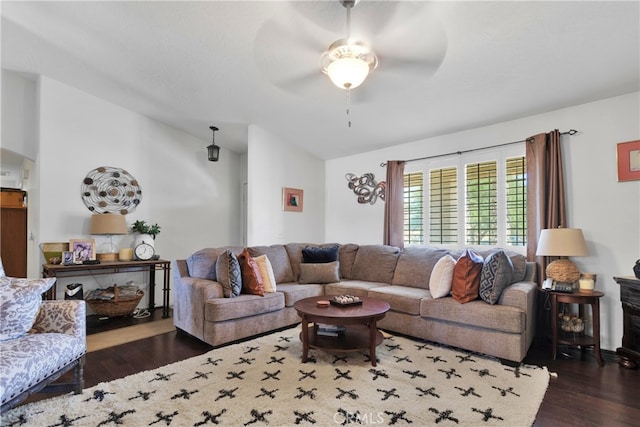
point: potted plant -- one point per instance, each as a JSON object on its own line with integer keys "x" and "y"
{"x": 147, "y": 232}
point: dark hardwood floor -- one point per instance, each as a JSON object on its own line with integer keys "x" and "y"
{"x": 583, "y": 393}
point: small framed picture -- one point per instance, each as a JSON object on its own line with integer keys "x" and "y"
{"x": 629, "y": 161}
{"x": 83, "y": 249}
{"x": 292, "y": 199}
{"x": 67, "y": 257}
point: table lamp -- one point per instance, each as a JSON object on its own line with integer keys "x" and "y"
{"x": 108, "y": 224}
{"x": 562, "y": 242}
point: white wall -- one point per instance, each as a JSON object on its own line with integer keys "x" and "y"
{"x": 608, "y": 211}
{"x": 272, "y": 165}
{"x": 19, "y": 127}
{"x": 196, "y": 202}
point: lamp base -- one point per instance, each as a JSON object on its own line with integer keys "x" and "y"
{"x": 107, "y": 257}
{"x": 563, "y": 270}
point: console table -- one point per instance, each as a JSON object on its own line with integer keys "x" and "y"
{"x": 630, "y": 297}
{"x": 115, "y": 267}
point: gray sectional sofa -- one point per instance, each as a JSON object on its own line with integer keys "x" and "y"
{"x": 399, "y": 276}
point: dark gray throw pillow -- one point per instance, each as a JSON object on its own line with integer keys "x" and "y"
{"x": 496, "y": 275}
{"x": 229, "y": 274}
{"x": 315, "y": 255}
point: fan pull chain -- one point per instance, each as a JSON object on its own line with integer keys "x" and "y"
{"x": 348, "y": 106}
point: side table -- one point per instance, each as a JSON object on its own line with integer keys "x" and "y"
{"x": 582, "y": 340}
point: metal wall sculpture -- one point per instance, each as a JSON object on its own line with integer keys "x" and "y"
{"x": 366, "y": 187}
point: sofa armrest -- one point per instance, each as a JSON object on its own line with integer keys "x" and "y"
{"x": 523, "y": 295}
{"x": 63, "y": 316}
{"x": 519, "y": 294}
{"x": 190, "y": 295}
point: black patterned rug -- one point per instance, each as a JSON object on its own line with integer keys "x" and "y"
{"x": 264, "y": 383}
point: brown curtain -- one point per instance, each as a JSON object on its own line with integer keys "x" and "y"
{"x": 394, "y": 204}
{"x": 545, "y": 192}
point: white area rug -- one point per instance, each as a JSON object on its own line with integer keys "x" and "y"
{"x": 263, "y": 383}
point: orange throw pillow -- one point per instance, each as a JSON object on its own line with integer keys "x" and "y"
{"x": 251, "y": 278}
{"x": 466, "y": 277}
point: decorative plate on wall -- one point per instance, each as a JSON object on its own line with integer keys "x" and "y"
{"x": 111, "y": 190}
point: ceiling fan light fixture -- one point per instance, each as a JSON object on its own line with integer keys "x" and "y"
{"x": 348, "y": 63}
{"x": 348, "y": 73}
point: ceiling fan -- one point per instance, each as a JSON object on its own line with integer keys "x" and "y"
{"x": 347, "y": 62}
{"x": 397, "y": 46}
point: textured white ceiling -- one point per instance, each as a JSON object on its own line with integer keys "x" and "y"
{"x": 444, "y": 66}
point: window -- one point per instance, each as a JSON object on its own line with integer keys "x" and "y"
{"x": 443, "y": 205}
{"x": 472, "y": 200}
{"x": 481, "y": 207}
{"x": 516, "y": 201}
{"x": 413, "y": 207}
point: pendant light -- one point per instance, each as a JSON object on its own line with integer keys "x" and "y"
{"x": 213, "y": 150}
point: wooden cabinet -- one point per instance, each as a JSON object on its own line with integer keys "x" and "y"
{"x": 13, "y": 245}
{"x": 630, "y": 297}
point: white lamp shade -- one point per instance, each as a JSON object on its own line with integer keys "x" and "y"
{"x": 562, "y": 242}
{"x": 348, "y": 72}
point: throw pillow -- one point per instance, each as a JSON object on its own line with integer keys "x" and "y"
{"x": 318, "y": 255}
{"x": 228, "y": 274}
{"x": 266, "y": 273}
{"x": 320, "y": 272}
{"x": 442, "y": 277}
{"x": 251, "y": 278}
{"x": 20, "y": 301}
{"x": 466, "y": 277}
{"x": 496, "y": 275}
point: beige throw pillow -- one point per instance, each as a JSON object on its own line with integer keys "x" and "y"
{"x": 320, "y": 273}
{"x": 442, "y": 277}
{"x": 266, "y": 272}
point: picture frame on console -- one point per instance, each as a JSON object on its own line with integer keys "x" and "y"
{"x": 292, "y": 199}
{"x": 629, "y": 161}
{"x": 83, "y": 250}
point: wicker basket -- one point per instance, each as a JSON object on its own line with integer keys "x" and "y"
{"x": 117, "y": 306}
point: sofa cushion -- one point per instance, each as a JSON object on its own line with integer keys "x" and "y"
{"x": 518, "y": 261}
{"x": 415, "y": 264}
{"x": 405, "y": 299}
{"x": 251, "y": 278}
{"x": 279, "y": 260}
{"x": 266, "y": 273}
{"x": 477, "y": 313}
{"x": 20, "y": 301}
{"x": 202, "y": 264}
{"x": 294, "y": 292}
{"x": 294, "y": 251}
{"x": 375, "y": 263}
{"x": 347, "y": 255}
{"x": 244, "y": 305}
{"x": 359, "y": 288}
{"x": 228, "y": 274}
{"x": 496, "y": 275}
{"x": 442, "y": 277}
{"x": 320, "y": 273}
{"x": 311, "y": 254}
{"x": 466, "y": 277}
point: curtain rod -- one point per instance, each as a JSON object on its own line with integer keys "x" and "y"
{"x": 569, "y": 132}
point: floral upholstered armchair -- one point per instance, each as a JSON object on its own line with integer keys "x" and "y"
{"x": 39, "y": 340}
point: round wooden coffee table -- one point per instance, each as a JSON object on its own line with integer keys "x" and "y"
{"x": 359, "y": 321}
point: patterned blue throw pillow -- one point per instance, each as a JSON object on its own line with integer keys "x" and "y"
{"x": 229, "y": 274}
{"x": 496, "y": 275}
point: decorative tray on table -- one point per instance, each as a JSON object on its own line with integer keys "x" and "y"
{"x": 345, "y": 300}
